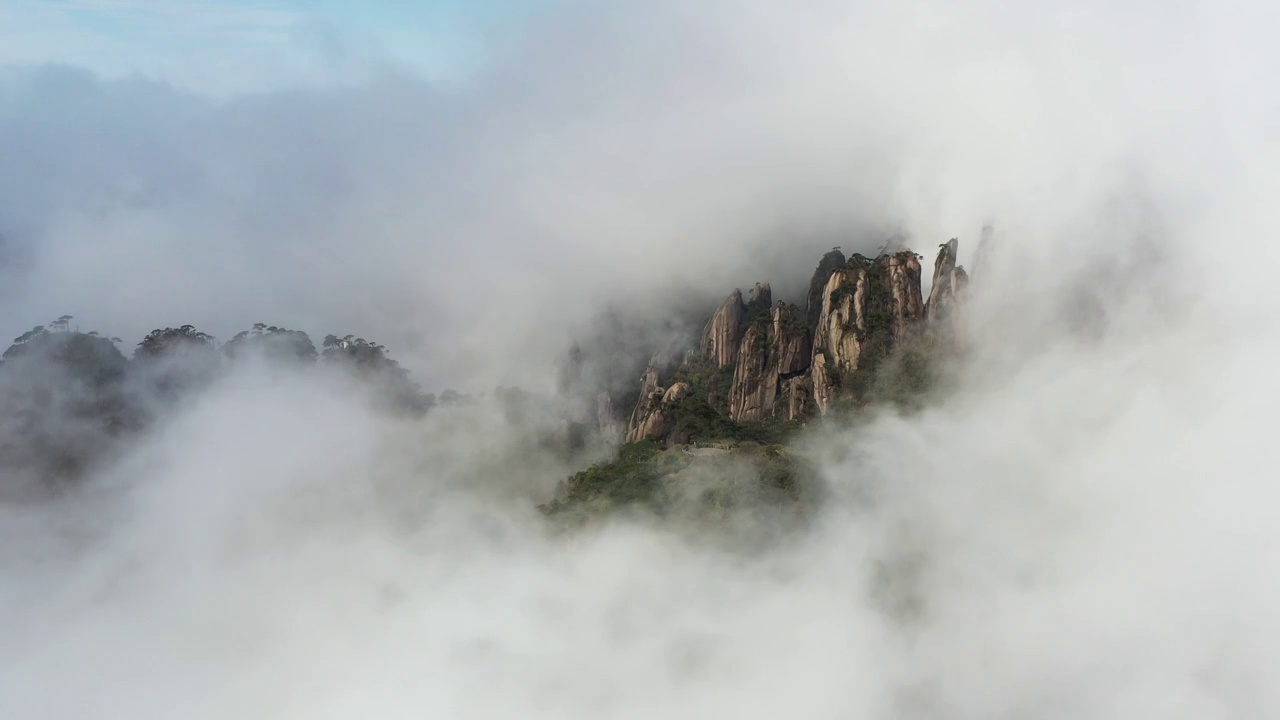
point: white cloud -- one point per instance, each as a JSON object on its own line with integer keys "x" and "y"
{"x": 1092, "y": 514}
{"x": 599, "y": 160}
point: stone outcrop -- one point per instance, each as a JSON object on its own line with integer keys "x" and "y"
{"x": 785, "y": 362}
{"x": 772, "y": 352}
{"x": 647, "y": 406}
{"x": 839, "y": 338}
{"x": 842, "y": 320}
{"x": 904, "y": 287}
{"x": 790, "y": 342}
{"x": 754, "y": 381}
{"x": 943, "y": 271}
{"x": 675, "y": 393}
{"x": 797, "y": 397}
{"x": 723, "y": 332}
{"x": 956, "y": 284}
{"x": 823, "y": 383}
{"x": 651, "y": 419}
{"x": 827, "y": 266}
{"x": 868, "y": 308}
{"x": 761, "y": 299}
{"x": 949, "y": 282}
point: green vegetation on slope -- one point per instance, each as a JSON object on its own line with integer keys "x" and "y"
{"x": 704, "y": 415}
{"x": 67, "y": 398}
{"x": 690, "y": 481}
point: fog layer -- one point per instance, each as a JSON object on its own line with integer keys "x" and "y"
{"x": 1081, "y": 529}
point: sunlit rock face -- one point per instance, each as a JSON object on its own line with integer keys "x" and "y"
{"x": 787, "y": 362}
{"x": 723, "y": 332}
{"x": 772, "y": 352}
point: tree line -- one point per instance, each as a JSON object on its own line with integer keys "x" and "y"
{"x": 67, "y": 396}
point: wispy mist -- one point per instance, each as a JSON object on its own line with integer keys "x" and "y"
{"x": 1079, "y": 527}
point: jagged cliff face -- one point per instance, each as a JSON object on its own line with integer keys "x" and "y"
{"x": 830, "y": 263}
{"x": 723, "y": 333}
{"x": 652, "y": 418}
{"x": 868, "y": 308}
{"x": 843, "y": 317}
{"x": 797, "y": 397}
{"x": 789, "y": 339}
{"x": 785, "y": 362}
{"x": 771, "y": 354}
{"x": 837, "y": 340}
{"x": 751, "y": 391}
{"x": 944, "y": 267}
{"x": 949, "y": 282}
{"x": 761, "y": 299}
{"x": 949, "y": 302}
{"x": 645, "y": 419}
{"x": 904, "y": 286}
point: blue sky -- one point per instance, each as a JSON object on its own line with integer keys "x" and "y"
{"x": 227, "y": 46}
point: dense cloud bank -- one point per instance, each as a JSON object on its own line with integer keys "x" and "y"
{"x": 599, "y": 160}
{"x": 1080, "y": 529}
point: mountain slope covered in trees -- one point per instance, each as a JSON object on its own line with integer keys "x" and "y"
{"x": 68, "y": 399}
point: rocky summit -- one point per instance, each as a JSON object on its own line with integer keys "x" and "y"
{"x": 758, "y": 363}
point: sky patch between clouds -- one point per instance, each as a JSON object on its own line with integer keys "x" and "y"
{"x": 228, "y": 46}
